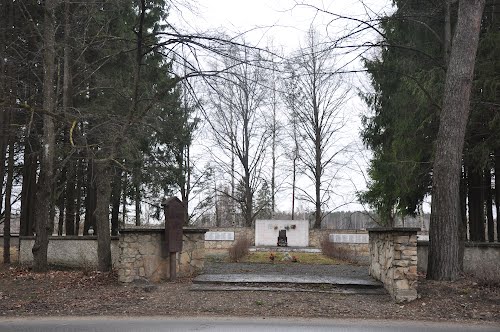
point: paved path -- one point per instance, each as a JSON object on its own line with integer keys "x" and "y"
{"x": 344, "y": 279}
{"x": 110, "y": 324}
{"x": 345, "y": 271}
{"x": 287, "y": 279}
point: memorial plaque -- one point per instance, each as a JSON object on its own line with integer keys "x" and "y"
{"x": 174, "y": 220}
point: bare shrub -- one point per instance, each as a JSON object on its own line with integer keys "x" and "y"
{"x": 239, "y": 249}
{"x": 330, "y": 249}
{"x": 487, "y": 276}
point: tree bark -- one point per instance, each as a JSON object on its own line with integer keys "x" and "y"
{"x": 103, "y": 184}
{"x": 116, "y": 191}
{"x": 444, "y": 238}
{"x": 67, "y": 100}
{"x": 90, "y": 199}
{"x": 476, "y": 205}
{"x": 497, "y": 190}
{"x": 8, "y": 195}
{"x": 79, "y": 185}
{"x": 3, "y": 151}
{"x": 137, "y": 192}
{"x": 489, "y": 204}
{"x": 48, "y": 147}
{"x": 29, "y": 188}
{"x": 463, "y": 224}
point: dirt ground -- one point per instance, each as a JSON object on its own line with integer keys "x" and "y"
{"x": 89, "y": 293}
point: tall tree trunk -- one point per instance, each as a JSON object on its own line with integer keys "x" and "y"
{"x": 60, "y": 207}
{"x": 463, "y": 223}
{"x": 48, "y": 151}
{"x": 488, "y": 196}
{"x": 70, "y": 198}
{"x": 90, "y": 199}
{"x": 317, "y": 181}
{"x": 293, "y": 186}
{"x": 115, "y": 200}
{"x": 3, "y": 151}
{"x": 29, "y": 188}
{"x": 476, "y": 205}
{"x": 444, "y": 239}
{"x": 103, "y": 184}
{"x": 8, "y": 195}
{"x": 78, "y": 194}
{"x": 137, "y": 192}
{"x": 124, "y": 198}
{"x": 61, "y": 198}
{"x": 497, "y": 190}
{"x": 67, "y": 100}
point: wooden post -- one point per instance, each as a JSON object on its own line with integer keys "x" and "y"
{"x": 173, "y": 266}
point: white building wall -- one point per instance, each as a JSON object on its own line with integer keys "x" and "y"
{"x": 267, "y": 231}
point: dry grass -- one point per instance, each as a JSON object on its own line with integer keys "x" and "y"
{"x": 487, "y": 276}
{"x": 239, "y": 249}
{"x": 14, "y": 257}
{"x": 332, "y": 250}
{"x": 304, "y": 258}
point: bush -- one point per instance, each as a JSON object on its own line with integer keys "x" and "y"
{"x": 239, "y": 249}
{"x": 332, "y": 250}
{"x": 487, "y": 276}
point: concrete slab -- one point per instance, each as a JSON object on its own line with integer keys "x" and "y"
{"x": 263, "y": 288}
{"x": 286, "y": 279}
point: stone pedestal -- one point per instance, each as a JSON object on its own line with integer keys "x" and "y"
{"x": 143, "y": 254}
{"x": 393, "y": 260}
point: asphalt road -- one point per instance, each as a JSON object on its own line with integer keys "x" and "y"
{"x": 111, "y": 324}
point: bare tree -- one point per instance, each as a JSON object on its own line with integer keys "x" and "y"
{"x": 291, "y": 97}
{"x": 320, "y": 120}
{"x": 45, "y": 183}
{"x": 237, "y": 123}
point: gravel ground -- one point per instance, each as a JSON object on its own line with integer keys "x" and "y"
{"x": 89, "y": 293}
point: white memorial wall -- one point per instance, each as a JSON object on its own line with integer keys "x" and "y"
{"x": 267, "y": 231}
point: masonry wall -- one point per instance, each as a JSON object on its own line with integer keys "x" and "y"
{"x": 72, "y": 251}
{"x": 357, "y": 251}
{"x": 393, "y": 254}
{"x": 143, "y": 254}
{"x": 478, "y": 257}
{"x": 215, "y": 247}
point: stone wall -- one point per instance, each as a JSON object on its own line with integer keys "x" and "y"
{"x": 72, "y": 251}
{"x": 358, "y": 252}
{"x": 393, "y": 261}
{"x": 478, "y": 256}
{"x": 215, "y": 247}
{"x": 143, "y": 254}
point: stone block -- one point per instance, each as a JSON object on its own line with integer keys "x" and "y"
{"x": 401, "y": 262}
{"x": 402, "y": 239}
{"x": 405, "y": 295}
{"x": 402, "y": 284}
{"x": 400, "y": 273}
{"x": 410, "y": 252}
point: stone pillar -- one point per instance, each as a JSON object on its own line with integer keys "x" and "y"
{"x": 393, "y": 260}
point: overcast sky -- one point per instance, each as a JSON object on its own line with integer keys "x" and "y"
{"x": 285, "y": 23}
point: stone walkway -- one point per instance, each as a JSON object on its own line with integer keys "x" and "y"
{"x": 296, "y": 277}
{"x": 346, "y": 271}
